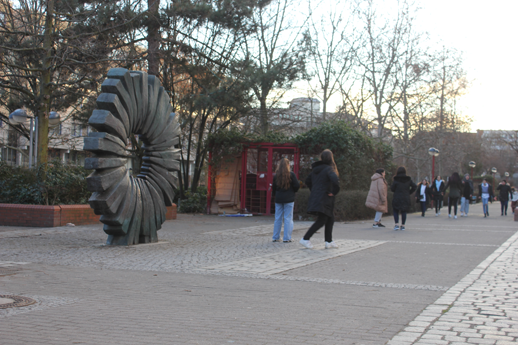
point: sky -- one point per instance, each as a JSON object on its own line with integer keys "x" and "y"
{"x": 487, "y": 34}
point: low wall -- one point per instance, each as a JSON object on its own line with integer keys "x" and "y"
{"x": 51, "y": 216}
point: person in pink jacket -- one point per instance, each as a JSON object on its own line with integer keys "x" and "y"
{"x": 377, "y": 197}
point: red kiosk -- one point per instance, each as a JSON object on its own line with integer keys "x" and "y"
{"x": 257, "y": 166}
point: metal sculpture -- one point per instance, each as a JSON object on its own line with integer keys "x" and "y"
{"x": 132, "y": 208}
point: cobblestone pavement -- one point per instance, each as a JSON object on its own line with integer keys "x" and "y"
{"x": 219, "y": 280}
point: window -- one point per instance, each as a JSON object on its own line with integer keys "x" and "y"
{"x": 76, "y": 130}
{"x": 1, "y": 123}
{"x": 58, "y": 130}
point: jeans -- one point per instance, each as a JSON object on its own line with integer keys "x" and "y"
{"x": 322, "y": 220}
{"x": 453, "y": 202}
{"x": 423, "y": 207}
{"x": 504, "y": 204}
{"x": 464, "y": 205}
{"x": 377, "y": 217}
{"x": 396, "y": 216}
{"x": 283, "y": 211}
{"x": 438, "y": 204}
{"x": 485, "y": 206}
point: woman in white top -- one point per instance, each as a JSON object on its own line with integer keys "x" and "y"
{"x": 423, "y": 195}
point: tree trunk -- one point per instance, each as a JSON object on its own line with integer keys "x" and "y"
{"x": 153, "y": 37}
{"x": 45, "y": 88}
{"x": 263, "y": 116}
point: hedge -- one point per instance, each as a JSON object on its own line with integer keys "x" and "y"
{"x": 349, "y": 205}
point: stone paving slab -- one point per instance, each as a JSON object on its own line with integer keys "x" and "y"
{"x": 480, "y": 309}
{"x": 290, "y": 259}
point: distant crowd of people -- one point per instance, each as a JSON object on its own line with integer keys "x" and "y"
{"x": 458, "y": 190}
{"x": 324, "y": 186}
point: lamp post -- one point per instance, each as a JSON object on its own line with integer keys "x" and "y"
{"x": 493, "y": 171}
{"x": 472, "y": 165}
{"x": 19, "y": 117}
{"x": 434, "y": 153}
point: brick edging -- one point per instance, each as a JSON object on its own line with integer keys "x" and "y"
{"x": 52, "y": 216}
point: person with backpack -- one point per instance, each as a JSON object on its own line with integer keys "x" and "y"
{"x": 467, "y": 194}
{"x": 377, "y": 197}
{"x": 324, "y": 186}
{"x": 485, "y": 192}
{"x": 505, "y": 193}
{"x": 402, "y": 186}
{"x": 423, "y": 195}
{"x": 285, "y": 185}
{"x": 438, "y": 194}
{"x": 455, "y": 186}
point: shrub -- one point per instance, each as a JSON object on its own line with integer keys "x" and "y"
{"x": 64, "y": 184}
{"x": 349, "y": 205}
{"x": 194, "y": 202}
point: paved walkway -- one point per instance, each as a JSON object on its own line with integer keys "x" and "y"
{"x": 218, "y": 280}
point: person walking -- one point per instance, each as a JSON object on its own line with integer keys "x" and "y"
{"x": 455, "y": 186}
{"x": 467, "y": 194}
{"x": 324, "y": 186}
{"x": 377, "y": 197}
{"x": 402, "y": 186}
{"x": 285, "y": 185}
{"x": 485, "y": 192}
{"x": 423, "y": 195}
{"x": 504, "y": 196}
{"x": 438, "y": 194}
{"x": 514, "y": 198}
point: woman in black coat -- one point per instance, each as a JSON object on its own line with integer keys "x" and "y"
{"x": 402, "y": 186}
{"x": 323, "y": 184}
{"x": 423, "y": 195}
{"x": 285, "y": 185}
{"x": 438, "y": 188}
{"x": 455, "y": 186}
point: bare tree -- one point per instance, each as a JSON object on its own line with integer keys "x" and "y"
{"x": 330, "y": 44}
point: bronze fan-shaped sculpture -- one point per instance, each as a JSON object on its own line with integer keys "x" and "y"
{"x": 132, "y": 208}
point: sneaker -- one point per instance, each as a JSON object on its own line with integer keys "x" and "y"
{"x": 465, "y": 214}
{"x": 402, "y": 228}
{"x": 437, "y": 214}
{"x": 375, "y": 225}
{"x": 462, "y": 214}
{"x": 305, "y": 243}
{"x": 449, "y": 216}
{"x": 381, "y": 225}
{"x": 287, "y": 241}
{"x": 331, "y": 244}
{"x": 455, "y": 217}
{"x": 396, "y": 228}
{"x": 277, "y": 240}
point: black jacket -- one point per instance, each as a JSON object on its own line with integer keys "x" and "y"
{"x": 455, "y": 189}
{"x": 505, "y": 192}
{"x": 427, "y": 192}
{"x": 438, "y": 193}
{"x": 467, "y": 189}
{"x": 284, "y": 196}
{"x": 402, "y": 186}
{"x": 321, "y": 182}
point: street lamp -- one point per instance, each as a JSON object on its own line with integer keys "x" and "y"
{"x": 472, "y": 165}
{"x": 434, "y": 153}
{"x": 18, "y": 117}
{"x": 493, "y": 170}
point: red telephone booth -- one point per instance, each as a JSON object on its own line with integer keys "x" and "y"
{"x": 258, "y": 164}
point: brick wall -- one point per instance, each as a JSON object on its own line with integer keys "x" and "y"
{"x": 51, "y": 216}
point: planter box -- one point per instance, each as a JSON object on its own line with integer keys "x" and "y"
{"x": 51, "y": 216}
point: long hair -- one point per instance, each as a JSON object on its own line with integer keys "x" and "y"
{"x": 327, "y": 157}
{"x": 455, "y": 179}
{"x": 400, "y": 171}
{"x": 282, "y": 174}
